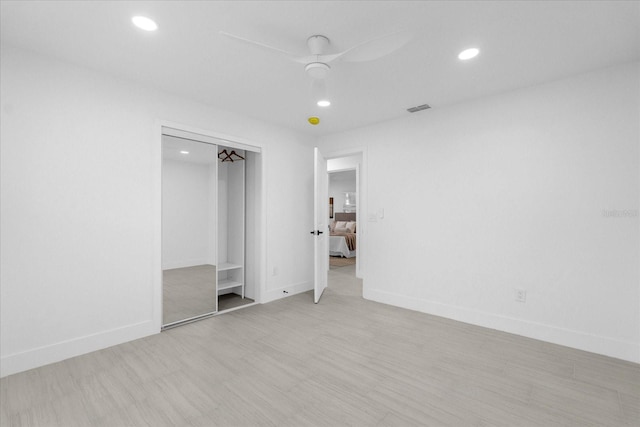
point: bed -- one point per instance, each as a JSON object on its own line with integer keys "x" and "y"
{"x": 342, "y": 240}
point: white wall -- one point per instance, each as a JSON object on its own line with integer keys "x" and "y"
{"x": 511, "y": 192}
{"x": 186, "y": 214}
{"x": 253, "y": 226}
{"x": 290, "y": 213}
{"x": 80, "y": 211}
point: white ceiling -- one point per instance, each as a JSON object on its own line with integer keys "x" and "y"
{"x": 522, "y": 44}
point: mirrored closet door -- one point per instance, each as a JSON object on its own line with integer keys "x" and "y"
{"x": 189, "y": 241}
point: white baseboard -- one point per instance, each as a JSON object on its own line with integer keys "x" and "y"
{"x": 278, "y": 293}
{"x": 619, "y": 349}
{"x": 19, "y": 362}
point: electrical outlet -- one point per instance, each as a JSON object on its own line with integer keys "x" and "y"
{"x": 521, "y": 295}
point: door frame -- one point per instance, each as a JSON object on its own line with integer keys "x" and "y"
{"x": 361, "y": 206}
{"x": 156, "y": 258}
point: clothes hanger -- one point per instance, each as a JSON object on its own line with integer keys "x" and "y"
{"x": 229, "y": 157}
{"x": 239, "y": 157}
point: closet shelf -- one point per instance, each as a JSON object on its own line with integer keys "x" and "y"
{"x": 224, "y": 266}
{"x": 228, "y": 284}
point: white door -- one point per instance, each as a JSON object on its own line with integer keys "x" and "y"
{"x": 320, "y": 219}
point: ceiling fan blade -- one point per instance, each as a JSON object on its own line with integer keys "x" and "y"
{"x": 371, "y": 49}
{"x": 307, "y": 59}
{"x": 255, "y": 43}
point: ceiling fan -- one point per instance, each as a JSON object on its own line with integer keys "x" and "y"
{"x": 317, "y": 60}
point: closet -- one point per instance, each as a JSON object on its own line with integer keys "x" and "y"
{"x": 210, "y": 210}
{"x": 231, "y": 226}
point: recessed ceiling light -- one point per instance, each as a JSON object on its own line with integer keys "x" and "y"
{"x": 144, "y": 23}
{"x": 323, "y": 103}
{"x": 468, "y": 53}
{"x": 184, "y": 152}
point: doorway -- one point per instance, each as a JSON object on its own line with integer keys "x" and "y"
{"x": 347, "y": 200}
{"x": 324, "y": 163}
{"x": 343, "y": 219}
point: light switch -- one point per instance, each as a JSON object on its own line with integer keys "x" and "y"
{"x": 381, "y": 213}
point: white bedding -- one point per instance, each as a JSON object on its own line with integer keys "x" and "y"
{"x": 338, "y": 247}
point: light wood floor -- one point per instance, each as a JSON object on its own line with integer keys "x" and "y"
{"x": 344, "y": 361}
{"x": 336, "y": 261}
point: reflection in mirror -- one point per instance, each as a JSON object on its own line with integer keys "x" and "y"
{"x": 189, "y": 180}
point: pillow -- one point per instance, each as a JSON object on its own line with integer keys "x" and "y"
{"x": 341, "y": 230}
{"x": 341, "y": 224}
{"x": 351, "y": 226}
{"x": 332, "y": 226}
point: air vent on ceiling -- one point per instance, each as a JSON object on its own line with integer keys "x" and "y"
{"x": 419, "y": 108}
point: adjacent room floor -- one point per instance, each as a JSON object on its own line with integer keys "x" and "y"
{"x": 337, "y": 261}
{"x": 344, "y": 361}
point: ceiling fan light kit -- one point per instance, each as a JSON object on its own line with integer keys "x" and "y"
{"x": 319, "y": 93}
{"x": 317, "y": 70}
